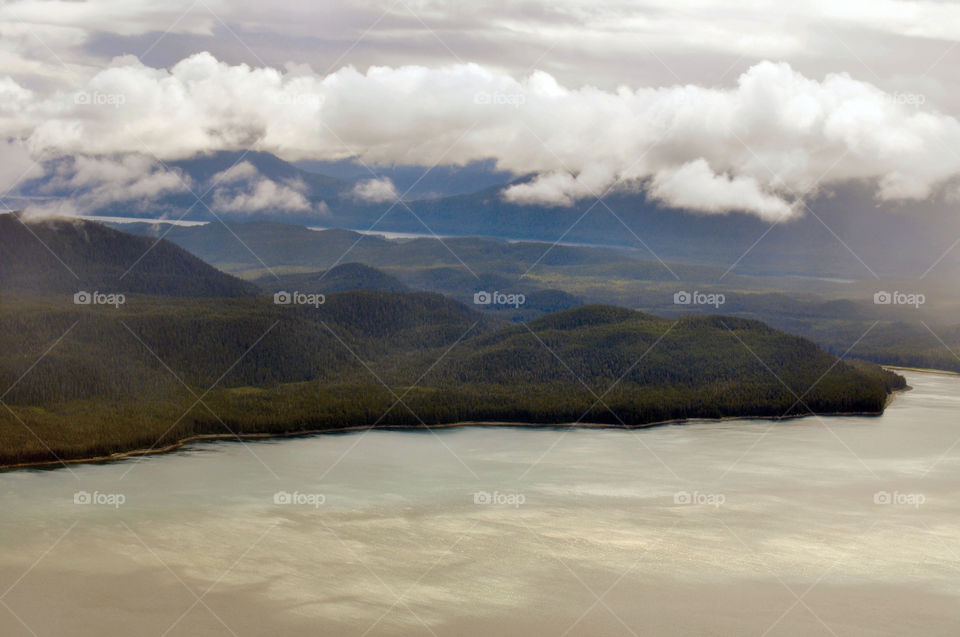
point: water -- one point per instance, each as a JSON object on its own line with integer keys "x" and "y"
{"x": 788, "y": 531}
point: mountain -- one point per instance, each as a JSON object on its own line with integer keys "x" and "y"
{"x": 64, "y": 256}
{"x": 341, "y": 278}
{"x": 115, "y": 379}
{"x": 108, "y": 379}
{"x": 113, "y": 352}
{"x": 203, "y": 168}
{"x": 229, "y": 184}
{"x": 836, "y": 314}
{"x": 291, "y": 246}
{"x": 417, "y": 182}
{"x": 532, "y": 301}
{"x": 843, "y": 233}
{"x": 656, "y": 369}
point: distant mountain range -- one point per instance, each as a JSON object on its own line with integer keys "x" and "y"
{"x": 340, "y": 278}
{"x": 836, "y": 315}
{"x": 111, "y": 379}
{"x": 845, "y": 234}
{"x": 417, "y": 182}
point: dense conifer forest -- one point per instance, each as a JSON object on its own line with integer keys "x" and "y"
{"x": 131, "y": 377}
{"x": 191, "y": 350}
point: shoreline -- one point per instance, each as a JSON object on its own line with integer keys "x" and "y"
{"x": 136, "y": 453}
{"x": 920, "y": 370}
{"x": 179, "y": 444}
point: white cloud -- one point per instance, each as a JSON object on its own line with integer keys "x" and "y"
{"x": 263, "y": 196}
{"x": 559, "y": 188}
{"x": 596, "y": 41}
{"x": 123, "y": 17}
{"x": 238, "y": 172}
{"x": 694, "y": 186}
{"x": 242, "y": 189}
{"x": 82, "y": 184}
{"x": 16, "y": 167}
{"x": 774, "y": 136}
{"x": 376, "y": 190}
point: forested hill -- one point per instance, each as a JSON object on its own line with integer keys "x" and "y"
{"x": 658, "y": 369}
{"x": 113, "y": 353}
{"x": 110, "y": 378}
{"x": 341, "y": 278}
{"x": 63, "y": 256}
{"x": 127, "y": 378}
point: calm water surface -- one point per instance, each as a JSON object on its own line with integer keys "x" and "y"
{"x": 838, "y": 526}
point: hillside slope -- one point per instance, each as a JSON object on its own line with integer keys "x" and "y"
{"x": 647, "y": 369}
{"x": 340, "y": 278}
{"x": 848, "y": 233}
{"x": 63, "y": 256}
{"x": 128, "y": 378}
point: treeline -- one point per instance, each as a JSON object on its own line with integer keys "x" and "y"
{"x": 932, "y": 346}
{"x": 112, "y": 352}
{"x": 280, "y": 369}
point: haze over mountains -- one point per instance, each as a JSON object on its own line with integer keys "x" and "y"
{"x": 592, "y": 314}
{"x": 774, "y": 189}
{"x": 269, "y": 363}
{"x": 836, "y": 314}
{"x": 842, "y": 233}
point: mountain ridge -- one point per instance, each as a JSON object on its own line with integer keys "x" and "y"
{"x": 120, "y": 375}
{"x": 67, "y": 255}
{"x": 840, "y": 232}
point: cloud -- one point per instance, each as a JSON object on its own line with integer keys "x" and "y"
{"x": 82, "y": 184}
{"x": 376, "y": 190}
{"x": 242, "y": 189}
{"x": 558, "y": 188}
{"x": 238, "y": 172}
{"x": 580, "y": 42}
{"x": 758, "y": 146}
{"x": 263, "y": 195}
{"x": 694, "y": 186}
{"x": 122, "y": 18}
{"x": 16, "y": 167}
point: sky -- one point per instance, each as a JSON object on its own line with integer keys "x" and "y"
{"x": 706, "y": 105}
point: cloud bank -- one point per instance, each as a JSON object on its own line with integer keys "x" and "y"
{"x": 242, "y": 189}
{"x": 376, "y": 190}
{"x": 759, "y": 146}
{"x": 82, "y": 184}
